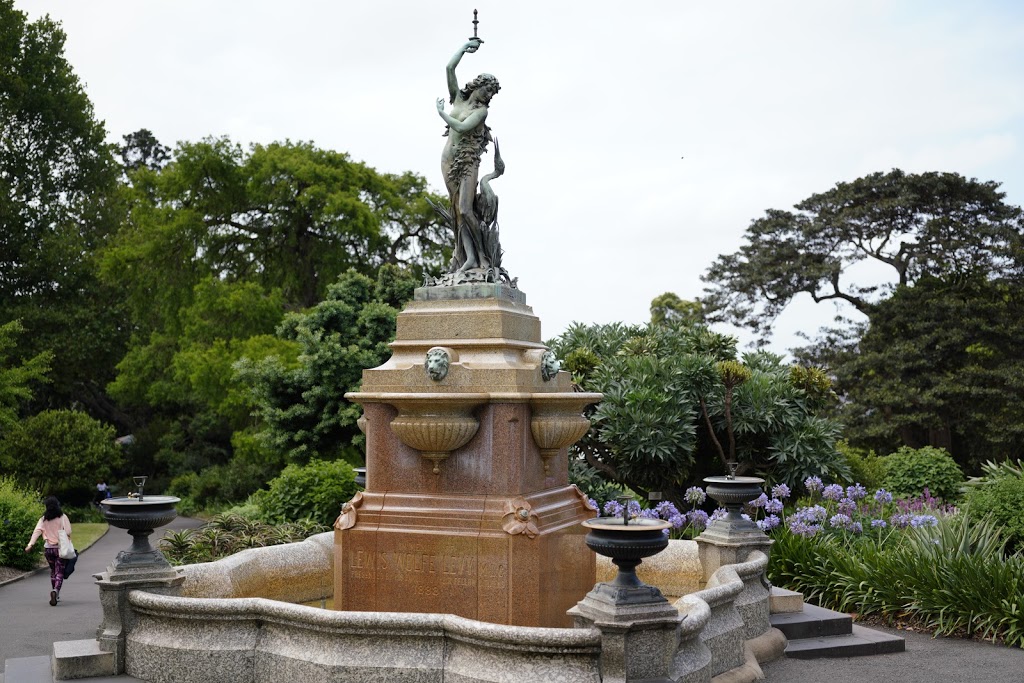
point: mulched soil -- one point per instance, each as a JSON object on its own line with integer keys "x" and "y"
{"x": 8, "y": 573}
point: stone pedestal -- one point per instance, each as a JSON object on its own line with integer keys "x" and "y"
{"x": 729, "y": 542}
{"x": 114, "y": 585}
{"x": 640, "y": 632}
{"x": 468, "y": 508}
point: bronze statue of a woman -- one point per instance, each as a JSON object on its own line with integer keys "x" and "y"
{"x": 473, "y": 217}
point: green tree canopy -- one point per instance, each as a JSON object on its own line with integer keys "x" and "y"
{"x": 287, "y": 216}
{"x": 930, "y": 224}
{"x": 57, "y": 207}
{"x": 17, "y": 378}
{"x": 939, "y": 364}
{"x": 303, "y": 408}
{"x": 679, "y": 401}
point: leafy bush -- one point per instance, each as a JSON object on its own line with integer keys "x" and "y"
{"x": 866, "y": 468}
{"x": 71, "y": 443}
{"x": 950, "y": 577}
{"x": 20, "y": 509}
{"x": 590, "y": 481}
{"x": 910, "y": 471}
{"x": 315, "y": 491}
{"x": 228, "y": 534}
{"x": 1002, "y": 500}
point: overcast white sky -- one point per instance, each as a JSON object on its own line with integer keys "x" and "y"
{"x": 640, "y": 138}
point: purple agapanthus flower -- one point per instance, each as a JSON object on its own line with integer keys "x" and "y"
{"x": 847, "y": 506}
{"x": 900, "y": 521}
{"x": 759, "y": 502}
{"x": 811, "y": 515}
{"x": 803, "y": 529}
{"x": 666, "y": 509}
{"x": 832, "y": 492}
{"x": 718, "y": 514}
{"x": 878, "y": 524}
{"x": 923, "y": 520}
{"x": 677, "y": 521}
{"x": 698, "y": 519}
{"x": 773, "y": 506}
{"x": 634, "y": 508}
{"x": 613, "y": 508}
{"x": 856, "y": 492}
{"x": 813, "y": 484}
{"x": 769, "y": 522}
{"x": 840, "y": 521}
{"x": 781, "y": 491}
{"x": 883, "y": 496}
{"x": 649, "y": 513}
{"x": 695, "y": 495}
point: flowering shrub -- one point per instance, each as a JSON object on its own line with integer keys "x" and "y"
{"x": 687, "y": 524}
{"x": 851, "y": 511}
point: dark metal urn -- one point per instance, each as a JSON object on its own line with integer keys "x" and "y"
{"x": 140, "y": 516}
{"x": 627, "y": 543}
{"x": 733, "y": 493}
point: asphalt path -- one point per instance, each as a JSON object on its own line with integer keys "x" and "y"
{"x": 29, "y": 625}
{"x": 927, "y": 660}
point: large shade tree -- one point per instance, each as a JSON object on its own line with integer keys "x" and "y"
{"x": 940, "y": 363}
{"x": 910, "y": 225}
{"x": 57, "y": 207}
{"x": 932, "y": 363}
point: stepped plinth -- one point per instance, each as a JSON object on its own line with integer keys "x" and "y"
{"x": 468, "y": 508}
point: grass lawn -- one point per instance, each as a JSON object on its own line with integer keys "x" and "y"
{"x": 84, "y": 535}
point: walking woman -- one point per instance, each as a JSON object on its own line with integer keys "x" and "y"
{"x": 49, "y": 525}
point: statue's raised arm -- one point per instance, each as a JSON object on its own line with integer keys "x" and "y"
{"x": 453, "y": 84}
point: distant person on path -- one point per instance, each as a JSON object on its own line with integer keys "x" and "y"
{"x": 102, "y": 491}
{"x": 52, "y": 521}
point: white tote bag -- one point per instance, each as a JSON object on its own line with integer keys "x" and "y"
{"x": 67, "y": 549}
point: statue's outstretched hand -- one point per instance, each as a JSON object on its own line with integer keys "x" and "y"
{"x": 440, "y": 105}
{"x": 473, "y": 45}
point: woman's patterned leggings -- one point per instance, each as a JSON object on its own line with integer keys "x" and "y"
{"x": 56, "y": 567}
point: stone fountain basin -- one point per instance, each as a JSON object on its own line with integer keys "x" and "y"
{"x": 641, "y": 538}
{"x": 138, "y": 515}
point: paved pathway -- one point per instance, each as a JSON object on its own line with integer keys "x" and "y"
{"x": 927, "y": 660}
{"x": 29, "y": 625}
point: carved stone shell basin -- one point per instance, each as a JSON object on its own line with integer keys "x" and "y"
{"x": 133, "y": 514}
{"x": 436, "y": 424}
{"x": 435, "y": 433}
{"x": 558, "y": 422}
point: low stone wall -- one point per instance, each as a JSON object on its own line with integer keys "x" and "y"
{"x": 235, "y": 620}
{"x": 253, "y": 640}
{"x": 676, "y": 570}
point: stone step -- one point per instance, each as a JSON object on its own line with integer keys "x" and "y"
{"x": 81, "y": 659}
{"x": 862, "y": 641}
{"x": 812, "y": 622}
{"x": 781, "y": 600}
{"x": 37, "y": 670}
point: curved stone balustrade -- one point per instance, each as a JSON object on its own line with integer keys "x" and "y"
{"x": 261, "y": 640}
